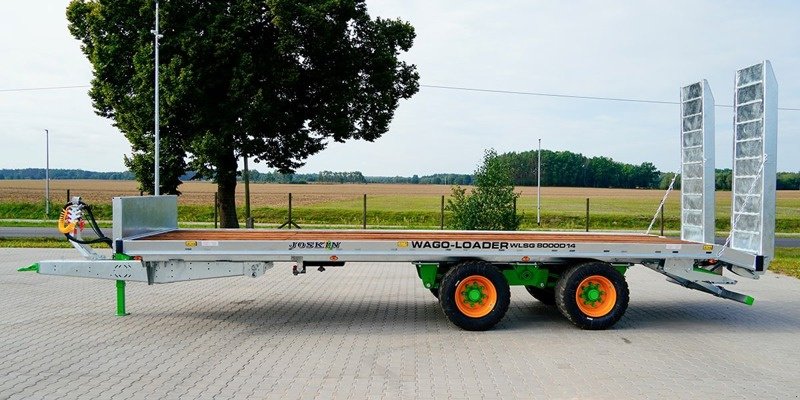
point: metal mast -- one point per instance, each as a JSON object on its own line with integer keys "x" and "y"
{"x": 539, "y": 184}
{"x": 47, "y": 174}
{"x": 157, "y": 183}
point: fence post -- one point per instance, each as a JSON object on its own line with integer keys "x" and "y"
{"x": 289, "y": 222}
{"x": 68, "y": 196}
{"x": 514, "y": 209}
{"x": 215, "y": 210}
{"x": 441, "y": 219}
{"x": 364, "y": 215}
{"x": 587, "y": 214}
{"x": 662, "y": 219}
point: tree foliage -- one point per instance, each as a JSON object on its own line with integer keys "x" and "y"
{"x": 276, "y": 80}
{"x": 41, "y": 173}
{"x": 565, "y": 168}
{"x": 490, "y": 205}
{"x": 788, "y": 181}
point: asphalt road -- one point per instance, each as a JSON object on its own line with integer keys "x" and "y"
{"x": 41, "y": 232}
{"x": 19, "y": 232}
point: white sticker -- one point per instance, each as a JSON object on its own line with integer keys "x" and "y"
{"x": 209, "y": 243}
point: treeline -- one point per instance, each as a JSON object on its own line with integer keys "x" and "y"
{"x": 788, "y": 181}
{"x": 358, "y": 177}
{"x": 40, "y": 173}
{"x": 559, "y": 168}
{"x": 723, "y": 179}
{"x": 435, "y": 179}
{"x": 565, "y": 168}
{"x": 320, "y": 177}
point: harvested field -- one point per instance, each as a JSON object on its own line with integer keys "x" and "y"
{"x": 389, "y": 205}
{"x": 202, "y": 193}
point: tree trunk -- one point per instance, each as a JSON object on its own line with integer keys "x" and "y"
{"x": 226, "y": 190}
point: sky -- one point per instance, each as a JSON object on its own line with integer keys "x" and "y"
{"x": 622, "y": 49}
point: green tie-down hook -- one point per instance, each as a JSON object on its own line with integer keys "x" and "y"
{"x": 30, "y": 268}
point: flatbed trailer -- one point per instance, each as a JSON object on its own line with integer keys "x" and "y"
{"x": 470, "y": 272}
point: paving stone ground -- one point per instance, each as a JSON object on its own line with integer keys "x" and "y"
{"x": 371, "y": 331}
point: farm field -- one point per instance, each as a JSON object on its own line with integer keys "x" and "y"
{"x": 402, "y": 206}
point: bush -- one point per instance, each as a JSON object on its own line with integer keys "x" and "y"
{"x": 490, "y": 206}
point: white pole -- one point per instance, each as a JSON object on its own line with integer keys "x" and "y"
{"x": 47, "y": 174}
{"x": 539, "y": 185}
{"x": 157, "y": 189}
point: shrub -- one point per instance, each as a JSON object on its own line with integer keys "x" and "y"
{"x": 490, "y": 206}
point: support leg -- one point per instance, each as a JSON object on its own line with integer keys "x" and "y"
{"x": 121, "y": 299}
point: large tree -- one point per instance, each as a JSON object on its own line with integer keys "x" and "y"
{"x": 272, "y": 79}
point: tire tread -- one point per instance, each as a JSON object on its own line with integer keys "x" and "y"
{"x": 450, "y": 282}
{"x": 567, "y": 286}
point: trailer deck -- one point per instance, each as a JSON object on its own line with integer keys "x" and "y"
{"x": 312, "y": 247}
{"x": 326, "y": 235}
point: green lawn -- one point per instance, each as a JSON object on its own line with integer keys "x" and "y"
{"x": 787, "y": 261}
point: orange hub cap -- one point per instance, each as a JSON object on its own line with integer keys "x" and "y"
{"x": 596, "y": 296}
{"x": 476, "y": 296}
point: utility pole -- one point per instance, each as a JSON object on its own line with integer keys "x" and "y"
{"x": 539, "y": 185}
{"x": 47, "y": 174}
{"x": 157, "y": 189}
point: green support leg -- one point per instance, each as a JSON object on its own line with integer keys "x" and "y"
{"x": 121, "y": 299}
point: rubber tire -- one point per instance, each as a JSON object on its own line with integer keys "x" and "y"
{"x": 567, "y": 286}
{"x": 546, "y": 296}
{"x": 434, "y": 292}
{"x": 447, "y": 293}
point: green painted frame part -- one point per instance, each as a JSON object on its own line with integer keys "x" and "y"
{"x": 703, "y": 271}
{"x": 749, "y": 300}
{"x": 121, "y": 299}
{"x": 429, "y": 273}
{"x": 121, "y": 257}
{"x": 621, "y": 268}
{"x": 30, "y": 268}
{"x": 527, "y": 275}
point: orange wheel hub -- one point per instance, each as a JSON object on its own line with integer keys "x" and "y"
{"x": 596, "y": 296}
{"x": 476, "y": 296}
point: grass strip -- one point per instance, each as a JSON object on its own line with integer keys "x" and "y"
{"x": 786, "y": 262}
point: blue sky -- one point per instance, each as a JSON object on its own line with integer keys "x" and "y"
{"x": 630, "y": 49}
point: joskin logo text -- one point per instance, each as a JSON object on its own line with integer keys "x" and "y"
{"x": 315, "y": 245}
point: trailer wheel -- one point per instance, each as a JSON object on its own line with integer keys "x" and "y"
{"x": 546, "y": 296}
{"x": 592, "y": 295}
{"x": 474, "y": 295}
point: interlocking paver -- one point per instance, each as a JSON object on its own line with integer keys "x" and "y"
{"x": 371, "y": 331}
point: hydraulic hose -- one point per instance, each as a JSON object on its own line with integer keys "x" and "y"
{"x": 66, "y": 229}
